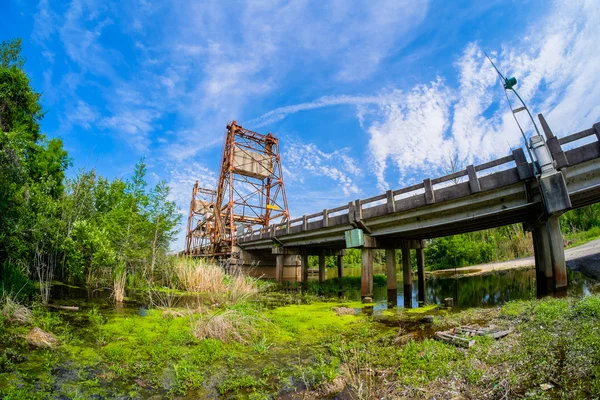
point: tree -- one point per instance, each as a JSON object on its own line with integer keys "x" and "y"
{"x": 164, "y": 216}
{"x": 31, "y": 172}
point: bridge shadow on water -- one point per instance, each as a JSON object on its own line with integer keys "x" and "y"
{"x": 487, "y": 290}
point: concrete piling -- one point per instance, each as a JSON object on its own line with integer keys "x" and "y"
{"x": 340, "y": 266}
{"x": 550, "y": 265}
{"x": 279, "y": 268}
{"x": 543, "y": 262}
{"x": 557, "y": 252}
{"x": 421, "y": 275}
{"x": 366, "y": 274}
{"x": 407, "y": 276}
{"x": 321, "y": 267}
{"x": 304, "y": 267}
{"x": 390, "y": 263}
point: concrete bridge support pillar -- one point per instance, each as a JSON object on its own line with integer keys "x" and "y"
{"x": 550, "y": 265}
{"x": 421, "y": 274}
{"x": 559, "y": 265}
{"x": 304, "y": 267}
{"x": 279, "y": 268}
{"x": 366, "y": 275}
{"x": 390, "y": 263}
{"x": 321, "y": 267}
{"x": 340, "y": 266}
{"x": 543, "y": 261}
{"x": 392, "y": 278}
{"x": 407, "y": 277}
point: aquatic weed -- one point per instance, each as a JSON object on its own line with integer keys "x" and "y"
{"x": 243, "y": 383}
{"x": 187, "y": 377}
{"x": 95, "y": 317}
{"x": 262, "y": 345}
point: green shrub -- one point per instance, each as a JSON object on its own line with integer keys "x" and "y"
{"x": 588, "y": 307}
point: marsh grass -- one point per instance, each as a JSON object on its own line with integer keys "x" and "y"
{"x": 119, "y": 282}
{"x": 227, "y": 326}
{"x": 15, "y": 312}
{"x": 199, "y": 276}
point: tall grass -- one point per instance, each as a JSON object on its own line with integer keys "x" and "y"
{"x": 119, "y": 282}
{"x": 199, "y": 276}
{"x": 13, "y": 311}
{"x": 226, "y": 326}
{"x": 196, "y": 275}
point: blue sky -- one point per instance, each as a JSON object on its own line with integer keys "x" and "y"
{"x": 364, "y": 96}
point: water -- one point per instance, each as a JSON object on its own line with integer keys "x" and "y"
{"x": 487, "y": 290}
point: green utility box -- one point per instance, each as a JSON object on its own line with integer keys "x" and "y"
{"x": 354, "y": 238}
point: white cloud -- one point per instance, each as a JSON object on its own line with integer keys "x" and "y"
{"x": 83, "y": 115}
{"x": 411, "y": 131}
{"x": 306, "y": 164}
{"x": 134, "y": 127}
{"x": 326, "y": 101}
{"x": 558, "y": 68}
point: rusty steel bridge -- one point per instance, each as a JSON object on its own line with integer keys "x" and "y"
{"x": 566, "y": 175}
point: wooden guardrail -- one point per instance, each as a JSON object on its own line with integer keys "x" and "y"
{"x": 450, "y": 187}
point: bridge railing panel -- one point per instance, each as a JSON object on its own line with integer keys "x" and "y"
{"x": 504, "y": 171}
{"x": 333, "y": 212}
{"x": 373, "y": 201}
{"x": 576, "y": 136}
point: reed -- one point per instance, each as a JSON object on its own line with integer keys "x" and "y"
{"x": 226, "y": 326}
{"x": 14, "y": 312}
{"x": 119, "y": 281}
{"x": 199, "y": 276}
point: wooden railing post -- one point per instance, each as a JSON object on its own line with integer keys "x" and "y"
{"x": 325, "y": 218}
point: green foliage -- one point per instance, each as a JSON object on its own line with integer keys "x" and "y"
{"x": 352, "y": 258}
{"x": 75, "y": 229}
{"x": 581, "y": 219}
{"x": 187, "y": 377}
{"x": 15, "y": 281}
{"x": 498, "y": 244}
{"x": 242, "y": 383}
{"x": 505, "y": 243}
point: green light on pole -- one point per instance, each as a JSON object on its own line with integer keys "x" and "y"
{"x": 509, "y": 83}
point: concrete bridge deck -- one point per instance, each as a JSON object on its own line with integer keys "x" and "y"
{"x": 493, "y": 194}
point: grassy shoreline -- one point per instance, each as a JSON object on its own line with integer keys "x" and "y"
{"x": 307, "y": 351}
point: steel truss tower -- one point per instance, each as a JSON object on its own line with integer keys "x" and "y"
{"x": 250, "y": 193}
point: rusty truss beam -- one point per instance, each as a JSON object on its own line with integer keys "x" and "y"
{"x": 250, "y": 193}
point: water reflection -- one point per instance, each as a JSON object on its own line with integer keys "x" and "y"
{"x": 471, "y": 291}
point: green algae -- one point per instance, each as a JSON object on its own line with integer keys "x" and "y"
{"x": 305, "y": 347}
